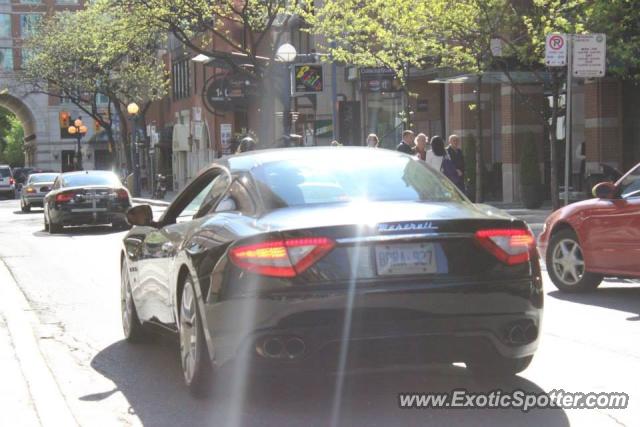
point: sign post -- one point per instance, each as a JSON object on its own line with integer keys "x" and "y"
{"x": 585, "y": 57}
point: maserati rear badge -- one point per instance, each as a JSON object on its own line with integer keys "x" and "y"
{"x": 407, "y": 226}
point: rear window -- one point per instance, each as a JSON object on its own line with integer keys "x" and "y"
{"x": 5, "y": 172}
{"x": 327, "y": 177}
{"x": 82, "y": 179}
{"x": 49, "y": 177}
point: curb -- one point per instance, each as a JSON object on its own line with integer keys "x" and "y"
{"x": 152, "y": 202}
{"x": 47, "y": 398}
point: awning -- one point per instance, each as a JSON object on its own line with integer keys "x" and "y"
{"x": 497, "y": 77}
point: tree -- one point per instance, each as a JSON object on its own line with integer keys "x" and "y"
{"x": 397, "y": 35}
{"x": 466, "y": 28}
{"x": 11, "y": 139}
{"x": 242, "y": 36}
{"x": 102, "y": 50}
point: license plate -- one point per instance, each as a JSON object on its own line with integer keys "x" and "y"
{"x": 415, "y": 258}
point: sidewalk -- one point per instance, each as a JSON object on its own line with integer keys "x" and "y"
{"x": 147, "y": 199}
{"x": 29, "y": 392}
{"x": 534, "y": 217}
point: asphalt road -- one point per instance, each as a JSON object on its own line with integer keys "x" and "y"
{"x": 71, "y": 283}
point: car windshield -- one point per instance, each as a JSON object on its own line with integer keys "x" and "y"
{"x": 5, "y": 172}
{"x": 47, "y": 177}
{"x": 630, "y": 185}
{"x": 96, "y": 178}
{"x": 328, "y": 178}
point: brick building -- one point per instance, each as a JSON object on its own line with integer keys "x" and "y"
{"x": 44, "y": 118}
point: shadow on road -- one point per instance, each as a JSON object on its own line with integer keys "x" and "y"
{"x": 150, "y": 379}
{"x": 623, "y": 299}
{"x": 80, "y": 231}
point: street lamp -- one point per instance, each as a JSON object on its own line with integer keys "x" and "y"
{"x": 133, "y": 109}
{"x": 286, "y": 54}
{"x": 79, "y": 130}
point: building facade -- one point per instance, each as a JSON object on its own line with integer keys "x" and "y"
{"x": 45, "y": 119}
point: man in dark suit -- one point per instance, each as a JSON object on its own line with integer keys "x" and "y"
{"x": 406, "y": 145}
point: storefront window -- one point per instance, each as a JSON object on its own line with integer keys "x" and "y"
{"x": 384, "y": 117}
{"x": 6, "y": 59}
{"x": 5, "y": 25}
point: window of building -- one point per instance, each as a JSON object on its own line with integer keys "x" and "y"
{"x": 26, "y": 55}
{"x": 66, "y": 1}
{"x": 6, "y": 59}
{"x": 102, "y": 99}
{"x": 5, "y": 25}
{"x": 180, "y": 78}
{"x": 31, "y": 1}
{"x": 29, "y": 23}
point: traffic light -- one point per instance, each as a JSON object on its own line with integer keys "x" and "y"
{"x": 65, "y": 120}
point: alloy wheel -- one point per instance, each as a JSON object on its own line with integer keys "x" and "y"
{"x": 568, "y": 261}
{"x": 126, "y": 301}
{"x": 188, "y": 332}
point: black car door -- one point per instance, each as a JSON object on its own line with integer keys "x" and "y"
{"x": 160, "y": 246}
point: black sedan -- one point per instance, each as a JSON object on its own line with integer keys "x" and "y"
{"x": 86, "y": 198}
{"x": 290, "y": 257}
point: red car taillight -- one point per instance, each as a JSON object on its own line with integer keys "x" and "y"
{"x": 12, "y": 181}
{"x": 281, "y": 258}
{"x": 122, "y": 194}
{"x": 511, "y": 246}
{"x": 65, "y": 197}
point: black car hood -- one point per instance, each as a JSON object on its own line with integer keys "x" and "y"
{"x": 375, "y": 213}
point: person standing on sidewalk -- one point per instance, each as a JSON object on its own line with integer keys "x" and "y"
{"x": 421, "y": 146}
{"x": 406, "y": 145}
{"x": 373, "y": 141}
{"x": 455, "y": 153}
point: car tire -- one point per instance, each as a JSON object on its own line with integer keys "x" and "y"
{"x": 566, "y": 265}
{"x": 498, "y": 366}
{"x": 197, "y": 368}
{"x": 131, "y": 326}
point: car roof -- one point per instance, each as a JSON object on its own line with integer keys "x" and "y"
{"x": 252, "y": 159}
{"x": 44, "y": 173}
{"x": 93, "y": 172}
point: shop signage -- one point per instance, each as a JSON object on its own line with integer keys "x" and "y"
{"x": 226, "y": 136}
{"x": 227, "y": 93}
{"x": 307, "y": 78}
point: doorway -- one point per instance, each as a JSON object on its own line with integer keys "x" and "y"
{"x": 68, "y": 157}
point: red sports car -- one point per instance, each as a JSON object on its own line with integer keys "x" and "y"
{"x": 586, "y": 241}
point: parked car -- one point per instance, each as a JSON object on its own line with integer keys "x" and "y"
{"x": 7, "y": 182}
{"x": 589, "y": 240}
{"x": 34, "y": 190}
{"x": 86, "y": 198}
{"x": 265, "y": 254}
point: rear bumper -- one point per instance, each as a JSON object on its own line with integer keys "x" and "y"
{"x": 453, "y": 324}
{"x": 68, "y": 217}
{"x": 35, "y": 200}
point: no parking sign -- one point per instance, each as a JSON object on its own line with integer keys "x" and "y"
{"x": 555, "y": 52}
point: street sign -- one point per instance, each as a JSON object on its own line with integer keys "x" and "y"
{"x": 589, "y": 55}
{"x": 496, "y": 47}
{"x": 555, "y": 51}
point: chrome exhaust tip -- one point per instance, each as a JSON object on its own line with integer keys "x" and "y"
{"x": 272, "y": 348}
{"x": 294, "y": 347}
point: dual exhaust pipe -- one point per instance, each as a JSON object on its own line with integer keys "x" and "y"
{"x": 522, "y": 334}
{"x": 287, "y": 348}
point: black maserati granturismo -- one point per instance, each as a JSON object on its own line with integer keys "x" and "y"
{"x": 297, "y": 257}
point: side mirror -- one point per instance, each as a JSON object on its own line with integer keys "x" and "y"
{"x": 605, "y": 190}
{"x": 140, "y": 215}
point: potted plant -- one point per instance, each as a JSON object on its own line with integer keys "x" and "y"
{"x": 530, "y": 178}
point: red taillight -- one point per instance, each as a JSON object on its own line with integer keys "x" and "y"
{"x": 511, "y": 246}
{"x": 64, "y": 197}
{"x": 122, "y": 194}
{"x": 12, "y": 181}
{"x": 281, "y": 258}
